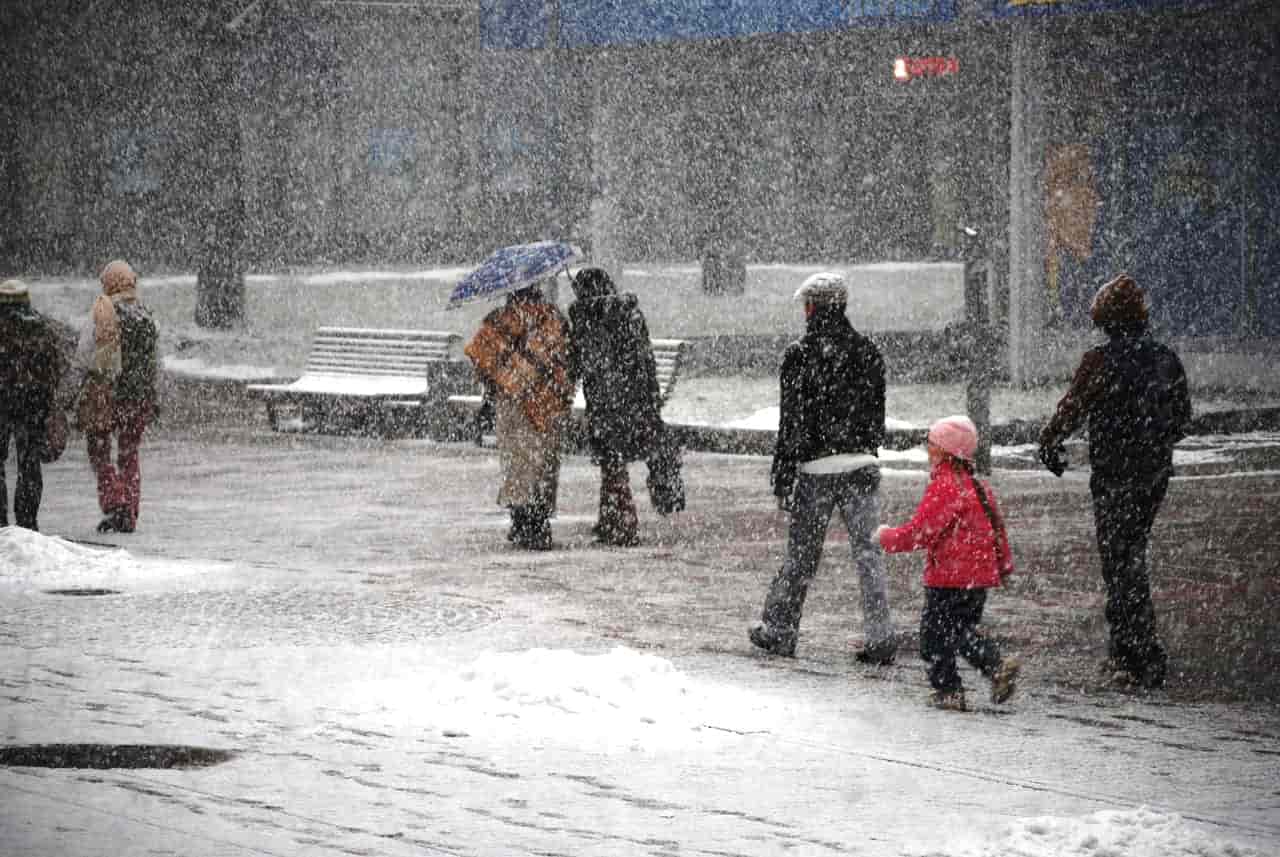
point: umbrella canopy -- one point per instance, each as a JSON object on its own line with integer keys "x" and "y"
{"x": 513, "y": 268}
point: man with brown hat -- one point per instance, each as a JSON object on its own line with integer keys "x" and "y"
{"x": 1132, "y": 391}
{"x": 830, "y": 429}
{"x": 30, "y": 366}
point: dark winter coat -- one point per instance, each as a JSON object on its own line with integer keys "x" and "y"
{"x": 832, "y": 400}
{"x": 1133, "y": 393}
{"x": 31, "y": 358}
{"x": 614, "y": 358}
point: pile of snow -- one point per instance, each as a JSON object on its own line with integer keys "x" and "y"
{"x": 31, "y": 559}
{"x": 1111, "y": 833}
{"x": 28, "y": 556}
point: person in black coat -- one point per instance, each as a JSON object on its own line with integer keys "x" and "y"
{"x": 829, "y": 434}
{"x": 613, "y": 356}
{"x": 31, "y": 365}
{"x": 1132, "y": 391}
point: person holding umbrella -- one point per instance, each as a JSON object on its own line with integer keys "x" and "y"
{"x": 521, "y": 353}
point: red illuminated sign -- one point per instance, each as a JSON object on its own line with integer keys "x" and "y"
{"x": 909, "y": 68}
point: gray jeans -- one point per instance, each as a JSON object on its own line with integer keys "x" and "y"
{"x": 857, "y": 496}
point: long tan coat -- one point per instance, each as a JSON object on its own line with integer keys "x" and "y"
{"x": 522, "y": 352}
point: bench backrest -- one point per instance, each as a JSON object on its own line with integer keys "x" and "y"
{"x": 370, "y": 351}
{"x": 669, "y": 355}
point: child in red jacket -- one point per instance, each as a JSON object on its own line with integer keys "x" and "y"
{"x": 967, "y": 552}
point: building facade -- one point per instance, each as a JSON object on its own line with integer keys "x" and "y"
{"x": 1078, "y": 137}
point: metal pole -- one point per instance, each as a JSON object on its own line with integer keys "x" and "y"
{"x": 979, "y": 341}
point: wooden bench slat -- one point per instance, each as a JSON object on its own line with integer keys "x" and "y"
{"x": 380, "y": 345}
{"x": 409, "y": 364}
{"x": 384, "y": 333}
{"x": 342, "y": 369}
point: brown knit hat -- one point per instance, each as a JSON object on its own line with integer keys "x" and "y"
{"x": 1120, "y": 301}
{"x": 14, "y": 292}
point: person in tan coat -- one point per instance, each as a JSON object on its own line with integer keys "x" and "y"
{"x": 522, "y": 355}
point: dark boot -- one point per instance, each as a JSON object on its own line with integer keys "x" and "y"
{"x": 773, "y": 640}
{"x": 534, "y": 529}
{"x": 116, "y": 521}
{"x": 618, "y": 523}
{"x": 881, "y": 655}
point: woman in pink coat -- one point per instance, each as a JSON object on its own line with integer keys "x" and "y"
{"x": 959, "y": 527}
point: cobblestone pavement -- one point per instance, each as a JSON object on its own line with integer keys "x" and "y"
{"x": 311, "y": 564}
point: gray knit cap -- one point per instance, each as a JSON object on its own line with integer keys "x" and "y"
{"x": 826, "y": 287}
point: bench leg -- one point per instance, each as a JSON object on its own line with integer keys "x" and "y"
{"x": 273, "y": 416}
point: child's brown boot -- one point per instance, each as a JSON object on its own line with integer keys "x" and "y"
{"x": 1004, "y": 680}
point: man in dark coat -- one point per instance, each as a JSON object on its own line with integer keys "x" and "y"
{"x": 829, "y": 435}
{"x": 1132, "y": 391}
{"x": 31, "y": 364}
{"x": 614, "y": 358}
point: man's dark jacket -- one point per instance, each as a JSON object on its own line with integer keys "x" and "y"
{"x": 1133, "y": 393}
{"x": 31, "y": 359}
{"x": 832, "y": 400}
{"x": 614, "y": 358}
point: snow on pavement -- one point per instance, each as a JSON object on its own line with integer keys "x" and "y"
{"x": 594, "y": 702}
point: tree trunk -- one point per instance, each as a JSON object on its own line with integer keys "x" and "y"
{"x": 220, "y": 268}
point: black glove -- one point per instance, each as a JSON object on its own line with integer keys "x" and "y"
{"x": 1054, "y": 458}
{"x": 785, "y": 495}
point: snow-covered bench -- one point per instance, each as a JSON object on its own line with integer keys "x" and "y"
{"x": 355, "y": 373}
{"x": 669, "y": 354}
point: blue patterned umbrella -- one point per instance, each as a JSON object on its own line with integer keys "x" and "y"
{"x": 513, "y": 268}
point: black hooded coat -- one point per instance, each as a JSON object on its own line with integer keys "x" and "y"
{"x": 832, "y": 396}
{"x": 614, "y": 358}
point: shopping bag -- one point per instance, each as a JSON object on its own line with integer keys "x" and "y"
{"x": 666, "y": 481}
{"x": 96, "y": 409}
{"x": 55, "y": 436}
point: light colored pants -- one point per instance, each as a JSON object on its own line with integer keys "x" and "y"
{"x": 857, "y": 496}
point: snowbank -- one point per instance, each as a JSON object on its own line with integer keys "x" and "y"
{"x": 30, "y": 557}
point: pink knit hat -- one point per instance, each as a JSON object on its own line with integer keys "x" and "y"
{"x": 956, "y": 436}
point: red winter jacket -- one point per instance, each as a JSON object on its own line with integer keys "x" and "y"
{"x": 952, "y": 526}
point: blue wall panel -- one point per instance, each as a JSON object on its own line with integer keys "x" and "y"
{"x": 523, "y": 23}
{"x": 514, "y": 24}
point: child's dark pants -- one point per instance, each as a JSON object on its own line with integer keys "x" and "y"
{"x": 948, "y": 627}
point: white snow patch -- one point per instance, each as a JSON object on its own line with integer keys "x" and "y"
{"x": 1110, "y": 833}
{"x": 194, "y": 367}
{"x": 621, "y": 694}
{"x": 441, "y": 275}
{"x": 1184, "y": 457}
{"x": 766, "y": 419}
